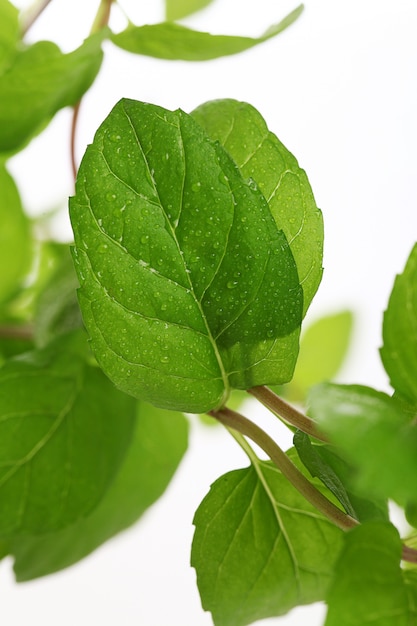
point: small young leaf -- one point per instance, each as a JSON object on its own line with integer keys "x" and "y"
{"x": 322, "y": 461}
{"x": 368, "y": 586}
{"x": 374, "y": 434}
{"x": 57, "y": 309}
{"x": 9, "y": 31}
{"x": 158, "y": 444}
{"x": 41, "y": 81}
{"x": 260, "y": 155}
{"x": 172, "y": 41}
{"x": 15, "y": 237}
{"x": 177, "y": 9}
{"x": 64, "y": 430}
{"x": 188, "y": 289}
{"x": 259, "y": 547}
{"x": 399, "y": 352}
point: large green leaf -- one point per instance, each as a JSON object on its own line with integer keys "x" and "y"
{"x": 259, "y": 547}
{"x": 172, "y": 41}
{"x": 188, "y": 289}
{"x": 40, "y": 81}
{"x": 368, "y": 587}
{"x": 158, "y": 444}
{"x": 260, "y": 155}
{"x": 64, "y": 430}
{"x": 15, "y": 237}
{"x": 372, "y": 432}
{"x": 177, "y": 9}
{"x": 399, "y": 352}
{"x": 9, "y": 31}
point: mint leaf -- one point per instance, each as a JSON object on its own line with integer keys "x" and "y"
{"x": 368, "y": 586}
{"x": 322, "y": 461}
{"x": 399, "y": 352}
{"x": 15, "y": 237}
{"x": 64, "y": 431}
{"x": 172, "y": 41}
{"x": 177, "y": 9}
{"x": 158, "y": 443}
{"x": 9, "y": 31}
{"x": 40, "y": 81}
{"x": 323, "y": 348}
{"x": 259, "y": 547}
{"x": 188, "y": 289}
{"x": 374, "y": 434}
{"x": 57, "y": 309}
{"x": 260, "y": 155}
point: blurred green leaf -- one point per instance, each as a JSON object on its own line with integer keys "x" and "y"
{"x": 172, "y": 41}
{"x": 40, "y": 81}
{"x": 368, "y": 586}
{"x": 15, "y": 237}
{"x": 372, "y": 432}
{"x": 177, "y": 9}
{"x": 399, "y": 351}
{"x": 64, "y": 430}
{"x": 9, "y": 31}
{"x": 158, "y": 444}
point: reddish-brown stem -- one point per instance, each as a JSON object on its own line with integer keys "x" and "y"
{"x": 16, "y": 332}
{"x": 74, "y": 123}
{"x": 241, "y": 424}
{"x": 286, "y": 412}
{"x": 32, "y": 15}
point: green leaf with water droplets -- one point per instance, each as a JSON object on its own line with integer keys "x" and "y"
{"x": 259, "y": 547}
{"x": 399, "y": 352}
{"x": 260, "y": 155}
{"x": 172, "y": 41}
{"x": 188, "y": 289}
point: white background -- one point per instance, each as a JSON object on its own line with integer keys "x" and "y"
{"x": 339, "y": 89}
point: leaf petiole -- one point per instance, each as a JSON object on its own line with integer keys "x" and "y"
{"x": 245, "y": 427}
{"x": 286, "y": 412}
{"x": 30, "y": 16}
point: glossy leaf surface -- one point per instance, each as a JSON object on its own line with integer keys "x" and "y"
{"x": 64, "y": 432}
{"x": 15, "y": 237}
{"x": 260, "y": 155}
{"x": 259, "y": 547}
{"x": 177, "y": 9}
{"x": 188, "y": 289}
{"x": 399, "y": 351}
{"x": 368, "y": 587}
{"x": 172, "y": 41}
{"x": 40, "y": 81}
{"x": 158, "y": 444}
{"x": 373, "y": 433}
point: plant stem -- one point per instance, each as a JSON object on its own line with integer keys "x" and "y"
{"x": 100, "y": 21}
{"x": 30, "y": 16}
{"x": 286, "y": 412}
{"x": 16, "y": 332}
{"x": 241, "y": 424}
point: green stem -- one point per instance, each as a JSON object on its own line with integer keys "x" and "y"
{"x": 286, "y": 412}
{"x": 30, "y": 16}
{"x": 245, "y": 427}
